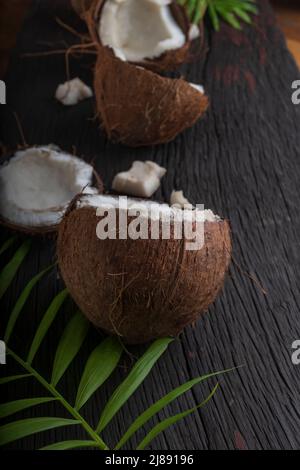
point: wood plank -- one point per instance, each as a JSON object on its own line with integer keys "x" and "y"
{"x": 12, "y": 16}
{"x": 241, "y": 160}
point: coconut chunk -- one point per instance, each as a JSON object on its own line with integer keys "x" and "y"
{"x": 37, "y": 184}
{"x": 199, "y": 88}
{"x": 72, "y": 92}
{"x": 139, "y": 29}
{"x": 142, "y": 180}
{"x": 179, "y": 200}
{"x": 194, "y": 32}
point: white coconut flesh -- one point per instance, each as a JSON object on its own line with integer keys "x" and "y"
{"x": 37, "y": 184}
{"x": 137, "y": 30}
{"x": 144, "y": 208}
{"x": 142, "y": 180}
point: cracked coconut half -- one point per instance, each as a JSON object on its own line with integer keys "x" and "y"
{"x": 135, "y": 40}
{"x": 37, "y": 185}
{"x": 141, "y": 288}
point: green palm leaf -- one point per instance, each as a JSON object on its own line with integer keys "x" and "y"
{"x": 101, "y": 363}
{"x": 46, "y": 323}
{"x": 68, "y": 445}
{"x": 7, "y": 409}
{"x": 10, "y": 270}
{"x": 21, "y": 302}
{"x": 70, "y": 343}
{"x": 12, "y": 378}
{"x": 162, "y": 403}
{"x": 26, "y": 427}
{"x": 165, "y": 424}
{"x": 7, "y": 244}
{"x": 228, "y": 10}
{"x": 137, "y": 375}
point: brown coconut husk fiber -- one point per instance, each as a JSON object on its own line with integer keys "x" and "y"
{"x": 144, "y": 289}
{"x": 136, "y": 106}
{"x": 81, "y": 6}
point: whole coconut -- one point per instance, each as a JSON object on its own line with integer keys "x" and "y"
{"x": 140, "y": 289}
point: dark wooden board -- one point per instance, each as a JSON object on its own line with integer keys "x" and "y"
{"x": 241, "y": 160}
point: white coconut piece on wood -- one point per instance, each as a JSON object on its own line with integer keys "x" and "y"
{"x": 72, "y": 92}
{"x": 199, "y": 88}
{"x": 194, "y": 32}
{"x": 142, "y": 180}
{"x": 178, "y": 199}
{"x": 139, "y": 29}
{"x": 37, "y": 184}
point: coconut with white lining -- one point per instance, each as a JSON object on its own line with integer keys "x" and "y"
{"x": 140, "y": 289}
{"x": 37, "y": 185}
{"x": 151, "y": 33}
{"x": 137, "y": 106}
{"x": 138, "y": 30}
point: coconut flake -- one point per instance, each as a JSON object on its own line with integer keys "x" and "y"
{"x": 142, "y": 180}
{"x": 199, "y": 88}
{"x": 194, "y": 32}
{"x": 72, "y": 92}
{"x": 37, "y": 184}
{"x": 139, "y": 29}
{"x": 178, "y": 200}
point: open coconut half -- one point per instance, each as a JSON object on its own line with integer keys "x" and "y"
{"x": 146, "y": 288}
{"x": 152, "y": 33}
{"x": 137, "y": 106}
{"x": 37, "y": 185}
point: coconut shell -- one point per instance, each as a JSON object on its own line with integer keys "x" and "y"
{"x": 138, "y": 107}
{"x": 168, "y": 61}
{"x": 43, "y": 230}
{"x": 145, "y": 289}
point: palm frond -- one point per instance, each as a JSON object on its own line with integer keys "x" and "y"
{"x": 162, "y": 403}
{"x": 69, "y": 345}
{"x": 137, "y": 375}
{"x": 45, "y": 324}
{"x": 7, "y": 244}
{"x": 166, "y": 423}
{"x": 12, "y": 407}
{"x": 108, "y": 354}
{"x": 231, "y": 11}
{"x": 101, "y": 363}
{"x": 26, "y": 427}
{"x": 10, "y": 270}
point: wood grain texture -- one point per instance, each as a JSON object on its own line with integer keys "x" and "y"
{"x": 11, "y": 19}
{"x": 241, "y": 160}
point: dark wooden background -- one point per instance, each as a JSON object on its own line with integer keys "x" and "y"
{"x": 241, "y": 160}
